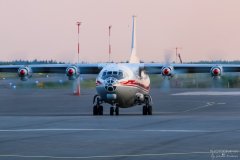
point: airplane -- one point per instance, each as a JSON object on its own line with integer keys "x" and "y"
{"x": 121, "y": 85}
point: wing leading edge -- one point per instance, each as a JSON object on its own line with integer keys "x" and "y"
{"x": 156, "y": 68}
{"x": 95, "y": 68}
{"x": 53, "y": 68}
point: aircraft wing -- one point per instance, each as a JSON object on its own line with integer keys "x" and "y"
{"x": 53, "y": 68}
{"x": 157, "y": 68}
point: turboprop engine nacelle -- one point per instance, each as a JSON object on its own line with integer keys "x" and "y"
{"x": 167, "y": 71}
{"x": 216, "y": 71}
{"x": 24, "y": 73}
{"x": 72, "y": 72}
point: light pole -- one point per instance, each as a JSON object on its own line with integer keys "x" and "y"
{"x": 77, "y": 91}
{"x": 78, "y": 49}
{"x": 109, "y": 43}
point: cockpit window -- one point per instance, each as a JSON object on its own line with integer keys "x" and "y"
{"x": 120, "y": 74}
{"x": 116, "y": 74}
{"x": 104, "y": 73}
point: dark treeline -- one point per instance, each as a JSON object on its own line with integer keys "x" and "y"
{"x": 27, "y": 62}
{"x": 203, "y": 62}
{"x": 217, "y": 62}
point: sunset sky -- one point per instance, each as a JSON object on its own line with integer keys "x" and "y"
{"x": 46, "y": 29}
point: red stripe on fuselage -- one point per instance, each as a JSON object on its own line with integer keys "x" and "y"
{"x": 135, "y": 83}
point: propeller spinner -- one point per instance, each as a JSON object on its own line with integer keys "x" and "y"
{"x": 24, "y": 73}
{"x": 216, "y": 71}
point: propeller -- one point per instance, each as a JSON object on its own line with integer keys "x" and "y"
{"x": 167, "y": 71}
{"x": 216, "y": 73}
{"x": 73, "y": 73}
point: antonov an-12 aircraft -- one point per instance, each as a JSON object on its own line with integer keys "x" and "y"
{"x": 121, "y": 85}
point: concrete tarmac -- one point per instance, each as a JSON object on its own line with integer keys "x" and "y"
{"x": 54, "y": 124}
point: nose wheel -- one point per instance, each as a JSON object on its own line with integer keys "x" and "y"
{"x": 147, "y": 110}
{"x": 114, "y": 109}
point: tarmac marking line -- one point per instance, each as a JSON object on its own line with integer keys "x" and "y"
{"x": 109, "y": 130}
{"x": 208, "y": 104}
{"x": 105, "y": 156}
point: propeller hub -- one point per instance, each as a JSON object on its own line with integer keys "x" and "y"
{"x": 70, "y": 71}
{"x": 166, "y": 71}
{"x": 216, "y": 71}
{"x": 22, "y": 72}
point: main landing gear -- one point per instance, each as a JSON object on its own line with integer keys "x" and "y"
{"x": 97, "y": 108}
{"x": 147, "y": 108}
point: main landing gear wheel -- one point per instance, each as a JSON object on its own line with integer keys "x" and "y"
{"x": 144, "y": 110}
{"x": 97, "y": 110}
{"x": 147, "y": 110}
{"x": 117, "y": 111}
{"x": 114, "y": 110}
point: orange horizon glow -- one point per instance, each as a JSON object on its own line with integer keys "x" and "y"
{"x": 43, "y": 29}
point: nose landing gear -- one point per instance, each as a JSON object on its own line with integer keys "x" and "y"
{"x": 114, "y": 109}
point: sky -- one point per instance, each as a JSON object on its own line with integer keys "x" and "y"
{"x": 46, "y": 29}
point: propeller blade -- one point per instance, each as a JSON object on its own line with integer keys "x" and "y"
{"x": 165, "y": 86}
{"x": 168, "y": 57}
{"x": 217, "y": 82}
{"x": 76, "y": 86}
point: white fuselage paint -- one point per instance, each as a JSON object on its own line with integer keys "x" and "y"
{"x": 129, "y": 81}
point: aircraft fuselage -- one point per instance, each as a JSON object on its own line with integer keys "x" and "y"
{"x": 122, "y": 84}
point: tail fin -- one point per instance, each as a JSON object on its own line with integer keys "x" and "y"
{"x": 134, "y": 58}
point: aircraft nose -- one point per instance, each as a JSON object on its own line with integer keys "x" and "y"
{"x": 110, "y": 88}
{"x": 110, "y": 84}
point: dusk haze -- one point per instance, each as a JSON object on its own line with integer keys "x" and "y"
{"x": 46, "y": 29}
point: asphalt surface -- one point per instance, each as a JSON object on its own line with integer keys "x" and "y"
{"x": 54, "y": 124}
